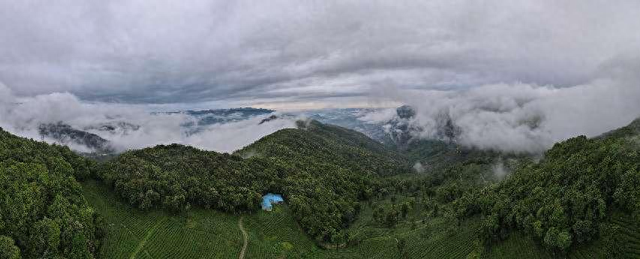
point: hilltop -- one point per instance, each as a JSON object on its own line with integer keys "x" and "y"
{"x": 311, "y": 165}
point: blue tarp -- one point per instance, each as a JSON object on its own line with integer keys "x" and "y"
{"x": 270, "y": 199}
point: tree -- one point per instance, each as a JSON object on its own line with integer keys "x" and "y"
{"x": 337, "y": 238}
{"x": 404, "y": 209}
{"x": 401, "y": 245}
{"x": 8, "y": 249}
{"x": 564, "y": 240}
{"x": 392, "y": 218}
{"x": 583, "y": 230}
{"x": 46, "y": 237}
{"x": 378, "y": 214}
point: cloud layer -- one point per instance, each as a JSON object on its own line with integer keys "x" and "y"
{"x": 135, "y": 127}
{"x": 524, "y": 117}
{"x": 511, "y": 75}
{"x": 322, "y": 52}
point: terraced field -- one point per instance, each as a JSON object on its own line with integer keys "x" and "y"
{"x": 276, "y": 234}
{"x": 430, "y": 240}
{"x": 517, "y": 246}
{"x": 135, "y": 234}
{"x": 630, "y": 233}
{"x": 520, "y": 246}
{"x": 210, "y": 234}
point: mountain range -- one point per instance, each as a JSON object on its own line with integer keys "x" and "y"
{"x": 346, "y": 196}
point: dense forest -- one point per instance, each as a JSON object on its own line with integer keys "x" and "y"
{"x": 175, "y": 177}
{"x": 42, "y": 211}
{"x": 566, "y": 198}
{"x": 328, "y": 170}
{"x": 322, "y": 170}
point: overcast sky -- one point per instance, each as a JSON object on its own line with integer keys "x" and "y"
{"x": 283, "y": 54}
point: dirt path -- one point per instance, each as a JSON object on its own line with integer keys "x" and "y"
{"x": 146, "y": 237}
{"x": 245, "y": 237}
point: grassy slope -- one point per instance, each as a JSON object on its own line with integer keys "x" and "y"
{"x": 197, "y": 234}
{"x": 211, "y": 234}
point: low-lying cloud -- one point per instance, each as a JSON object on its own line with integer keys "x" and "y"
{"x": 523, "y": 117}
{"x": 135, "y": 127}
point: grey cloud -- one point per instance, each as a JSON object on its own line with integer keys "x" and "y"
{"x": 512, "y": 75}
{"x": 198, "y": 51}
{"x": 524, "y": 117}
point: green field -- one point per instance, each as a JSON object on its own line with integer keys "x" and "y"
{"x": 132, "y": 233}
{"x": 203, "y": 233}
{"x": 627, "y": 239}
{"x": 517, "y": 246}
{"x": 198, "y": 233}
{"x": 209, "y": 234}
{"x": 629, "y": 233}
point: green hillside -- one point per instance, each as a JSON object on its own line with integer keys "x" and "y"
{"x": 567, "y": 199}
{"x": 323, "y": 171}
{"x": 132, "y": 233}
{"x": 201, "y": 233}
{"x": 316, "y": 143}
{"x": 42, "y": 210}
{"x": 346, "y": 196}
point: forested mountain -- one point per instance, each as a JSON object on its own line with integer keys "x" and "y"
{"x": 176, "y": 176}
{"x": 630, "y": 132}
{"x": 568, "y": 197}
{"x": 42, "y": 211}
{"x": 322, "y": 170}
{"x": 341, "y": 188}
{"x": 351, "y": 118}
{"x": 326, "y": 143}
{"x": 65, "y": 134}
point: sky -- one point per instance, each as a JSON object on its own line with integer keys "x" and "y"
{"x": 290, "y": 53}
{"x": 494, "y": 67}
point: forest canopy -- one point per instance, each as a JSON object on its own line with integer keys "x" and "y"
{"x": 42, "y": 211}
{"x": 566, "y": 198}
{"x": 323, "y": 171}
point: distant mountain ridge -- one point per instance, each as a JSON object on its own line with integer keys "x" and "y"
{"x": 65, "y": 135}
{"x": 219, "y": 116}
{"x": 350, "y": 118}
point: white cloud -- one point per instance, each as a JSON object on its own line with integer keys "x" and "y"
{"x": 378, "y": 116}
{"x": 23, "y": 116}
{"x": 418, "y": 167}
{"x": 525, "y": 117}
